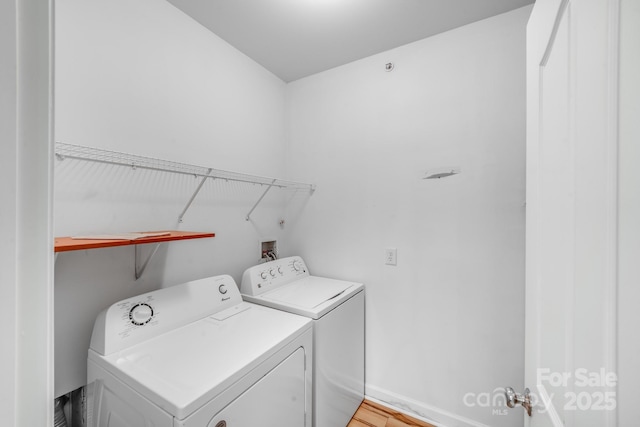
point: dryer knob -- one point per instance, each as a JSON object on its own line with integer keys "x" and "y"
{"x": 263, "y": 274}
{"x": 296, "y": 265}
{"x": 280, "y": 270}
{"x": 141, "y": 314}
{"x": 272, "y": 273}
{"x": 222, "y": 289}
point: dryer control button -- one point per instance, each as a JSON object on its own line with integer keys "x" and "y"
{"x": 272, "y": 272}
{"x": 263, "y": 274}
{"x": 141, "y": 314}
{"x": 296, "y": 265}
{"x": 222, "y": 289}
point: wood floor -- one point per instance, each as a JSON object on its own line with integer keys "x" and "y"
{"x": 371, "y": 414}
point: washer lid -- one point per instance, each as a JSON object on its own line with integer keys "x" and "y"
{"x": 309, "y": 292}
{"x": 311, "y": 296}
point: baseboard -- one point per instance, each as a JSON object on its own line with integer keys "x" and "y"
{"x": 427, "y": 413}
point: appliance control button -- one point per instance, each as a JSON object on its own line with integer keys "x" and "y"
{"x": 263, "y": 274}
{"x": 222, "y": 289}
{"x": 280, "y": 270}
{"x": 296, "y": 265}
{"x": 272, "y": 272}
{"x": 140, "y": 314}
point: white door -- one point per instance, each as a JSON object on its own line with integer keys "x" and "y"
{"x": 571, "y": 213}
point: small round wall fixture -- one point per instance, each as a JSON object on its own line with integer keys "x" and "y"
{"x": 388, "y": 66}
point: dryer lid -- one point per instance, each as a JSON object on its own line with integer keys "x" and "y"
{"x": 187, "y": 367}
{"x": 310, "y": 292}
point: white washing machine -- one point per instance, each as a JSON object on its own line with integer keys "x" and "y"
{"x": 337, "y": 310}
{"x": 196, "y": 355}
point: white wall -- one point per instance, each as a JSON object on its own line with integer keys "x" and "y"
{"x": 436, "y": 322}
{"x": 26, "y": 256}
{"x": 141, "y": 77}
{"x": 449, "y": 318}
{"x": 8, "y": 213}
{"x": 629, "y": 212}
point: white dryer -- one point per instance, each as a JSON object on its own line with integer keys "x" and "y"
{"x": 337, "y": 310}
{"x": 196, "y": 355}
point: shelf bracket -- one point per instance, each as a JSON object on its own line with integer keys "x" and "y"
{"x": 195, "y": 193}
{"x": 260, "y": 199}
{"x": 140, "y": 268}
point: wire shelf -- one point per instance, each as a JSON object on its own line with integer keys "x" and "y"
{"x": 78, "y": 152}
{"x": 90, "y": 154}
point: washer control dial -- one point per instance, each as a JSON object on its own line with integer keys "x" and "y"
{"x": 263, "y": 274}
{"x": 296, "y": 265}
{"x": 272, "y": 272}
{"x": 222, "y": 289}
{"x": 141, "y": 314}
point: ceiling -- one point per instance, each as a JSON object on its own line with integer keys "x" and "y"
{"x": 297, "y": 38}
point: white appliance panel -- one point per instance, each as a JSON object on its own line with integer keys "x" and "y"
{"x": 111, "y": 403}
{"x": 274, "y": 401}
{"x": 270, "y": 275}
{"x": 145, "y": 316}
{"x": 339, "y": 363}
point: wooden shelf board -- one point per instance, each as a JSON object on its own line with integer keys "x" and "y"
{"x": 64, "y": 244}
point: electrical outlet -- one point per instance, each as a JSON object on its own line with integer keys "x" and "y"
{"x": 391, "y": 256}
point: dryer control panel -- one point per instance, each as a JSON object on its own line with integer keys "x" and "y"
{"x": 261, "y": 278}
{"x": 145, "y": 316}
